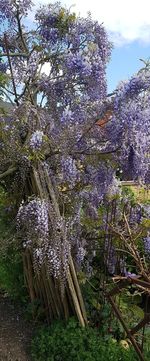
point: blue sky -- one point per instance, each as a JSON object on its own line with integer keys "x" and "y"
{"x": 125, "y": 62}
{"x": 128, "y": 25}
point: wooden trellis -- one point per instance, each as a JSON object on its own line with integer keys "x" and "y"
{"x": 124, "y": 282}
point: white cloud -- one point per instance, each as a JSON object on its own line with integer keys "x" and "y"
{"x": 126, "y": 20}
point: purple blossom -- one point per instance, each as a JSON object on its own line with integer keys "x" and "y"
{"x": 146, "y": 208}
{"x": 79, "y": 62}
{"x": 132, "y": 87}
{"x": 8, "y": 9}
{"x": 146, "y": 242}
{"x": 3, "y": 67}
{"x": 131, "y": 117}
{"x": 68, "y": 171}
{"x": 50, "y": 34}
{"x": 135, "y": 215}
{"x": 80, "y": 255}
{"x": 33, "y": 219}
{"x": 36, "y": 140}
{"x": 46, "y": 234}
{"x": 67, "y": 115}
{"x": 130, "y": 274}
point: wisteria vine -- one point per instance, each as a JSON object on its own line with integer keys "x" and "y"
{"x": 57, "y": 84}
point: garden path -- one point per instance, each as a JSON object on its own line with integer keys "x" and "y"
{"x": 15, "y": 332}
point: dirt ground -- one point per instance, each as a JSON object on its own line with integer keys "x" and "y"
{"x": 15, "y": 332}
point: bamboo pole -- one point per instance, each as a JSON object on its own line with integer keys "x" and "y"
{"x": 30, "y": 277}
{"x": 50, "y": 303}
{"x": 78, "y": 290}
{"x": 55, "y": 295}
{"x": 48, "y": 310}
{"x": 37, "y": 281}
{"x": 65, "y": 306}
{"x": 75, "y": 300}
{"x": 37, "y": 183}
{"x": 52, "y": 293}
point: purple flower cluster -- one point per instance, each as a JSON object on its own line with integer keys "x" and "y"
{"x": 57, "y": 249}
{"x": 135, "y": 215}
{"x": 131, "y": 88}
{"x": 36, "y": 140}
{"x": 50, "y": 34}
{"x": 146, "y": 209}
{"x": 79, "y": 71}
{"x": 79, "y": 63}
{"x": 131, "y": 120}
{"x": 67, "y": 115}
{"x": 58, "y": 259}
{"x": 8, "y": 9}
{"x": 32, "y": 220}
{"x": 3, "y": 67}
{"x": 130, "y": 274}
{"x": 49, "y": 17}
{"x": 68, "y": 171}
{"x": 46, "y": 234}
{"x": 80, "y": 255}
{"x": 147, "y": 245}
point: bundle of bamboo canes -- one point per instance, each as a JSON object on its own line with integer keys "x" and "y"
{"x": 41, "y": 285}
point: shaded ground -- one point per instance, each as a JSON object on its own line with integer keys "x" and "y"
{"x": 15, "y": 332}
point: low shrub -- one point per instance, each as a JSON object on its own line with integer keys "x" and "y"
{"x": 11, "y": 275}
{"x": 70, "y": 342}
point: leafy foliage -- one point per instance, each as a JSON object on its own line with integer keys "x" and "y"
{"x": 11, "y": 275}
{"x": 72, "y": 343}
{"x": 11, "y": 268}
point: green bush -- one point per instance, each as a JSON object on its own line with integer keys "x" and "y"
{"x": 11, "y": 275}
{"x": 11, "y": 265}
{"x": 70, "y": 342}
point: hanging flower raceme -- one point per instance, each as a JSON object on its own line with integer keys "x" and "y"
{"x": 3, "y": 67}
{"x": 146, "y": 242}
{"x": 36, "y": 140}
{"x": 131, "y": 121}
{"x": 46, "y": 235}
{"x": 32, "y": 218}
